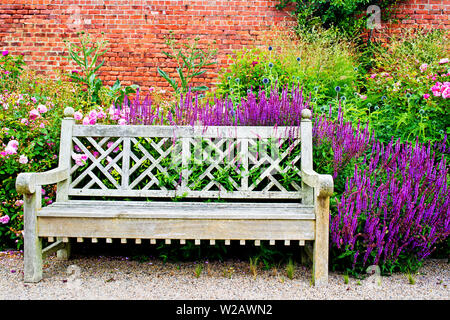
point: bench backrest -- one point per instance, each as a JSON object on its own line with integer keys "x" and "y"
{"x": 189, "y": 162}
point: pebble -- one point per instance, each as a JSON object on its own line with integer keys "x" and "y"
{"x": 120, "y": 278}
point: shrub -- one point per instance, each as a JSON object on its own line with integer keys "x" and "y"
{"x": 349, "y": 16}
{"x": 11, "y": 68}
{"x": 394, "y": 209}
{"x": 408, "y": 89}
{"x": 29, "y": 138}
{"x": 325, "y": 65}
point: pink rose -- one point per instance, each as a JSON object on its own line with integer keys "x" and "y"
{"x": 78, "y": 115}
{"x": 80, "y": 159}
{"x": 13, "y": 143}
{"x": 443, "y": 61}
{"x": 24, "y": 121}
{"x": 93, "y": 114}
{"x": 86, "y": 121}
{"x": 5, "y": 219}
{"x": 23, "y": 159}
{"x": 10, "y": 150}
{"x": 446, "y": 93}
{"x": 101, "y": 115}
{"x": 92, "y": 121}
{"x": 42, "y": 108}
{"x": 426, "y": 96}
{"x": 423, "y": 67}
{"x": 18, "y": 203}
{"x": 34, "y": 114}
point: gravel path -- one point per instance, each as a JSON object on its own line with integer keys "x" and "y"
{"x": 117, "y": 277}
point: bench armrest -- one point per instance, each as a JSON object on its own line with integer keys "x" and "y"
{"x": 322, "y": 183}
{"x": 26, "y": 182}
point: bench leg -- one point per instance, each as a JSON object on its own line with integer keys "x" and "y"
{"x": 64, "y": 253}
{"x": 32, "y": 243}
{"x": 320, "y": 251}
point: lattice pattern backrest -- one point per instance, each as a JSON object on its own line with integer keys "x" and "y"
{"x": 193, "y": 162}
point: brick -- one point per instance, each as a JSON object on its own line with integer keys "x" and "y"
{"x": 137, "y": 30}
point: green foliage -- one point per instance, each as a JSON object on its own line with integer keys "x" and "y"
{"x": 116, "y": 94}
{"x": 349, "y": 16}
{"x": 290, "y": 269}
{"x": 86, "y": 56}
{"x": 319, "y": 63}
{"x": 191, "y": 61}
{"x": 11, "y": 67}
{"x": 400, "y": 101}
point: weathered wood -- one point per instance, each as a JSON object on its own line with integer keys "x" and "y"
{"x": 320, "y": 253}
{"x": 32, "y": 242}
{"x": 119, "y": 148}
{"x": 187, "y": 211}
{"x": 64, "y": 252}
{"x": 65, "y": 152}
{"x": 181, "y": 131}
{"x": 54, "y": 247}
{"x": 27, "y": 183}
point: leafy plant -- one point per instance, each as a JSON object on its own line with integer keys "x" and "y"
{"x": 11, "y": 67}
{"x": 116, "y": 94}
{"x": 349, "y": 16}
{"x": 86, "y": 56}
{"x": 191, "y": 60}
{"x": 290, "y": 269}
{"x": 198, "y": 270}
{"x": 254, "y": 266}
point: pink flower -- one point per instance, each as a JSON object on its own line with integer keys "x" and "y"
{"x": 13, "y": 143}
{"x": 5, "y": 219}
{"x": 426, "y": 96}
{"x": 92, "y": 121}
{"x": 18, "y": 203}
{"x": 23, "y": 159}
{"x": 446, "y": 93}
{"x": 363, "y": 97}
{"x": 42, "y": 125}
{"x": 372, "y": 76}
{"x": 80, "y": 159}
{"x": 86, "y": 121}
{"x": 122, "y": 122}
{"x": 423, "y": 67}
{"x": 101, "y": 115}
{"x": 42, "y": 108}
{"x": 5, "y": 53}
{"x": 78, "y": 115}
{"x": 443, "y": 61}
{"x": 24, "y": 121}
{"x": 93, "y": 114}
{"x": 10, "y": 150}
{"x": 34, "y": 114}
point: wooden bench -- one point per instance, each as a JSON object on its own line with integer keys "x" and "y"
{"x": 125, "y": 189}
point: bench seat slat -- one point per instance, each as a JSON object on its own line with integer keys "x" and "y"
{"x": 171, "y": 210}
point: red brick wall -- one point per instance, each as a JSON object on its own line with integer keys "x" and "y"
{"x": 136, "y": 30}
{"x": 416, "y": 14}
